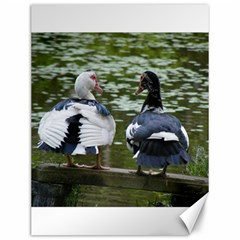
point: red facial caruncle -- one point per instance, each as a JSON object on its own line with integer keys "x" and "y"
{"x": 97, "y": 88}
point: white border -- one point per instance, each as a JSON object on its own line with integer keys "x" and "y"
{"x": 108, "y": 221}
{"x": 217, "y": 220}
{"x": 114, "y": 18}
{"x": 120, "y": 18}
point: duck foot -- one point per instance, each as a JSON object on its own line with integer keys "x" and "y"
{"x": 140, "y": 173}
{"x": 97, "y": 164}
{"x": 97, "y": 167}
{"x": 70, "y": 163}
{"x": 162, "y": 174}
{"x": 157, "y": 174}
{"x": 73, "y": 165}
{"x": 149, "y": 173}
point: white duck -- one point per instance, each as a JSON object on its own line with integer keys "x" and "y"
{"x": 78, "y": 125}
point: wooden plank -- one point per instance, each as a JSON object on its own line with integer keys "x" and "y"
{"x": 120, "y": 178}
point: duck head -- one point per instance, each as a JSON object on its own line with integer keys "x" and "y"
{"x": 150, "y": 81}
{"x": 85, "y": 83}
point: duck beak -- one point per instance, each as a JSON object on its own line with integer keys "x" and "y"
{"x": 98, "y": 89}
{"x": 139, "y": 90}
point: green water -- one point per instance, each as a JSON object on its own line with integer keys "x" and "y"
{"x": 181, "y": 59}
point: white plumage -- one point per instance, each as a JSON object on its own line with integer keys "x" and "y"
{"x": 53, "y": 127}
{"x": 78, "y": 125}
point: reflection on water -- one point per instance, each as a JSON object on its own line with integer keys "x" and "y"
{"x": 180, "y": 59}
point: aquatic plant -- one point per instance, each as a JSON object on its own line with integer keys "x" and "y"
{"x": 73, "y": 197}
{"x": 199, "y": 167}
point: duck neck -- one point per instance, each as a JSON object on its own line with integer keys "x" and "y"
{"x": 85, "y": 94}
{"x": 90, "y": 96}
{"x": 153, "y": 101}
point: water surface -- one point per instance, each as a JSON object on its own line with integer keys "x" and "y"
{"x": 180, "y": 59}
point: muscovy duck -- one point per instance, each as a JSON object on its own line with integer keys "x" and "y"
{"x": 78, "y": 125}
{"x": 156, "y": 139}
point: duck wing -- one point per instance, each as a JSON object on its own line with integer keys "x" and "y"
{"x": 153, "y": 126}
{"x": 157, "y": 140}
{"x": 74, "y": 126}
{"x": 96, "y": 127}
{"x": 53, "y": 127}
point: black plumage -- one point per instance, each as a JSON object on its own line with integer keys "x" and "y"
{"x": 156, "y": 138}
{"x": 73, "y": 129}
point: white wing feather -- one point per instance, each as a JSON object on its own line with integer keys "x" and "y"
{"x": 96, "y": 129}
{"x": 53, "y": 127}
{"x": 167, "y": 136}
{"x": 185, "y": 135}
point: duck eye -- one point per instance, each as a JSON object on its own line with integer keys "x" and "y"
{"x": 144, "y": 83}
{"x": 93, "y": 77}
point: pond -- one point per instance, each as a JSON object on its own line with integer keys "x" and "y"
{"x": 181, "y": 59}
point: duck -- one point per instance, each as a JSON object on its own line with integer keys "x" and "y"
{"x": 156, "y": 139}
{"x": 78, "y": 125}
